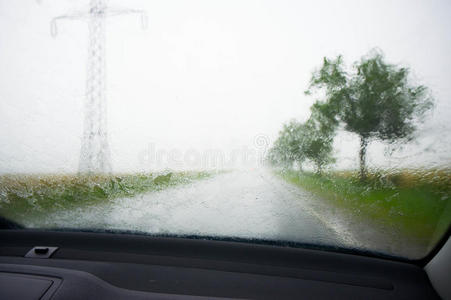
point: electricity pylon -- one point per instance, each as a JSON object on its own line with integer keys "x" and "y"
{"x": 95, "y": 154}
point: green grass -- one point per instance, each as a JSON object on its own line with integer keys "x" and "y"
{"x": 29, "y": 196}
{"x": 416, "y": 203}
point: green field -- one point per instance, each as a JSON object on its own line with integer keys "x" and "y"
{"x": 417, "y": 203}
{"x": 24, "y": 197}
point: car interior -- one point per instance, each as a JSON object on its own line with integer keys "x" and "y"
{"x": 38, "y": 264}
{"x": 211, "y": 149}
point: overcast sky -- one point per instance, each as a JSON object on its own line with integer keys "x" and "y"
{"x": 205, "y": 75}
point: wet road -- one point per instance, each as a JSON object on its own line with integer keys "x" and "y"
{"x": 245, "y": 204}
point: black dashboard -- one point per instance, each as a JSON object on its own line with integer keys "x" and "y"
{"x": 123, "y": 266}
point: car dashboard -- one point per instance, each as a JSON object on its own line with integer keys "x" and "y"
{"x": 86, "y": 265}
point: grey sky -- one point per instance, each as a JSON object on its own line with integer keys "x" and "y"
{"x": 205, "y": 74}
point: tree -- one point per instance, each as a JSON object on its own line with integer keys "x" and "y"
{"x": 317, "y": 143}
{"x": 286, "y": 149}
{"x": 376, "y": 100}
{"x": 297, "y": 142}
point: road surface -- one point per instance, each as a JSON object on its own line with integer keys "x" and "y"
{"x": 253, "y": 204}
{"x": 245, "y": 204}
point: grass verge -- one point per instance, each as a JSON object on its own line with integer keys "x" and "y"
{"x": 415, "y": 203}
{"x": 29, "y": 196}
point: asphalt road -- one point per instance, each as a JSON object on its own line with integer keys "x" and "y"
{"x": 253, "y": 204}
{"x": 245, "y": 204}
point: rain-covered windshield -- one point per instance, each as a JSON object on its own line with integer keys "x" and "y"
{"x": 315, "y": 123}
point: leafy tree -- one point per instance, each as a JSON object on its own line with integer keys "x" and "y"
{"x": 375, "y": 100}
{"x": 298, "y": 142}
{"x": 286, "y": 149}
{"x": 317, "y": 143}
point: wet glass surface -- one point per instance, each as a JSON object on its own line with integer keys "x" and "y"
{"x": 322, "y": 123}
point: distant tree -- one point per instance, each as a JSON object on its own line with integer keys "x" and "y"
{"x": 287, "y": 148}
{"x": 376, "y": 100}
{"x": 298, "y": 142}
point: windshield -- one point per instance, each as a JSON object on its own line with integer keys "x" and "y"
{"x": 315, "y": 123}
